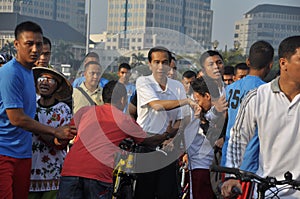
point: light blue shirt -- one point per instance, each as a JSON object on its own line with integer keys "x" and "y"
{"x": 17, "y": 90}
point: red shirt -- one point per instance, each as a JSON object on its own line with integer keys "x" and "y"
{"x": 100, "y": 130}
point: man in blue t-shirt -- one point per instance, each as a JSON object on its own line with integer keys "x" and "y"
{"x": 260, "y": 62}
{"x": 17, "y": 110}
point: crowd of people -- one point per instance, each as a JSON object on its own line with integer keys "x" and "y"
{"x": 59, "y": 140}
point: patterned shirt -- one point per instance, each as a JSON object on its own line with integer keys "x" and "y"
{"x": 47, "y": 160}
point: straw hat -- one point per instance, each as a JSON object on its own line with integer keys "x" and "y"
{"x": 64, "y": 90}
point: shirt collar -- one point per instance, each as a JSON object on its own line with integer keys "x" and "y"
{"x": 98, "y": 89}
{"x": 275, "y": 85}
{"x": 158, "y": 88}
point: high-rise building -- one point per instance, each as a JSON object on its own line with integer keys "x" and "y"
{"x": 141, "y": 24}
{"x": 271, "y": 23}
{"x": 72, "y": 12}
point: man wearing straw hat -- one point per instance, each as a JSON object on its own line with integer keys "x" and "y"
{"x": 53, "y": 88}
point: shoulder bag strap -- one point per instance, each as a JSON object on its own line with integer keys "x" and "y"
{"x": 87, "y": 96}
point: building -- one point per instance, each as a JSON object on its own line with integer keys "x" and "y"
{"x": 271, "y": 23}
{"x": 141, "y": 24}
{"x": 57, "y": 32}
{"x": 71, "y": 12}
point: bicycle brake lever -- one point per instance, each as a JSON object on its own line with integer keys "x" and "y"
{"x": 162, "y": 151}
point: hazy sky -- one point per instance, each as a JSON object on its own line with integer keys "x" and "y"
{"x": 226, "y": 12}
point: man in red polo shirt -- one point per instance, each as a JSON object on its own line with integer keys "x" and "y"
{"x": 88, "y": 167}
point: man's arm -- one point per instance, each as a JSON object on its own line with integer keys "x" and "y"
{"x": 159, "y": 139}
{"x": 161, "y": 105}
{"x": 240, "y": 134}
{"x": 18, "y": 118}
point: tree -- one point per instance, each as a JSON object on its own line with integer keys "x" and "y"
{"x": 137, "y": 59}
{"x": 9, "y": 48}
{"x": 233, "y": 57}
{"x": 62, "y": 53}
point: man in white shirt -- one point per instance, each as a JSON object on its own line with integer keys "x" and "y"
{"x": 160, "y": 102}
{"x": 274, "y": 110}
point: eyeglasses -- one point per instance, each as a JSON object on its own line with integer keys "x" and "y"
{"x": 48, "y": 79}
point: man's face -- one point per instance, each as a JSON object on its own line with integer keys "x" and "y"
{"x": 187, "y": 84}
{"x": 214, "y": 67}
{"x": 240, "y": 73}
{"x": 159, "y": 65}
{"x": 290, "y": 68}
{"x": 92, "y": 75}
{"x": 124, "y": 75}
{"x": 228, "y": 79}
{"x": 172, "y": 73}
{"x": 46, "y": 84}
{"x": 44, "y": 58}
{"x": 203, "y": 101}
{"x": 29, "y": 47}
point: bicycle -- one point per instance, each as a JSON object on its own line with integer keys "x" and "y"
{"x": 124, "y": 179}
{"x": 263, "y": 184}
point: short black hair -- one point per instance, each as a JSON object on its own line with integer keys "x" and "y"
{"x": 199, "y": 86}
{"x": 260, "y": 55}
{"x": 113, "y": 92}
{"x": 207, "y": 54}
{"x": 159, "y": 49}
{"x": 288, "y": 47}
{"x": 228, "y": 70}
{"x": 27, "y": 26}
{"x": 47, "y": 41}
{"x": 241, "y": 66}
{"x": 92, "y": 62}
{"x": 189, "y": 74}
{"x": 204, "y": 85}
{"x": 124, "y": 65}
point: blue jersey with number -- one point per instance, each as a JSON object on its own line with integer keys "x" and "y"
{"x": 235, "y": 92}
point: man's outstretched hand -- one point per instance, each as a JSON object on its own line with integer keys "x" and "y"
{"x": 67, "y": 132}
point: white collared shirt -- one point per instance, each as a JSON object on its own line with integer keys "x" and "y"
{"x": 148, "y": 90}
{"x": 278, "y": 122}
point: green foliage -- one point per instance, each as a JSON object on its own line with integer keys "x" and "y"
{"x": 62, "y": 53}
{"x": 233, "y": 57}
{"x": 9, "y": 48}
{"x": 138, "y": 59}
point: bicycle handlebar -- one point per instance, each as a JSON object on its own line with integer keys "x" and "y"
{"x": 249, "y": 176}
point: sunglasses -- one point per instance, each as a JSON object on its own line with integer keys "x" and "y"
{"x": 48, "y": 79}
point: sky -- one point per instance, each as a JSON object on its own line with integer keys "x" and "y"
{"x": 226, "y": 13}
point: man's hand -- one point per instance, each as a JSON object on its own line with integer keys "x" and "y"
{"x": 228, "y": 185}
{"x": 220, "y": 104}
{"x": 65, "y": 132}
{"x": 196, "y": 108}
{"x": 219, "y": 143}
{"x": 168, "y": 145}
{"x": 172, "y": 130}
